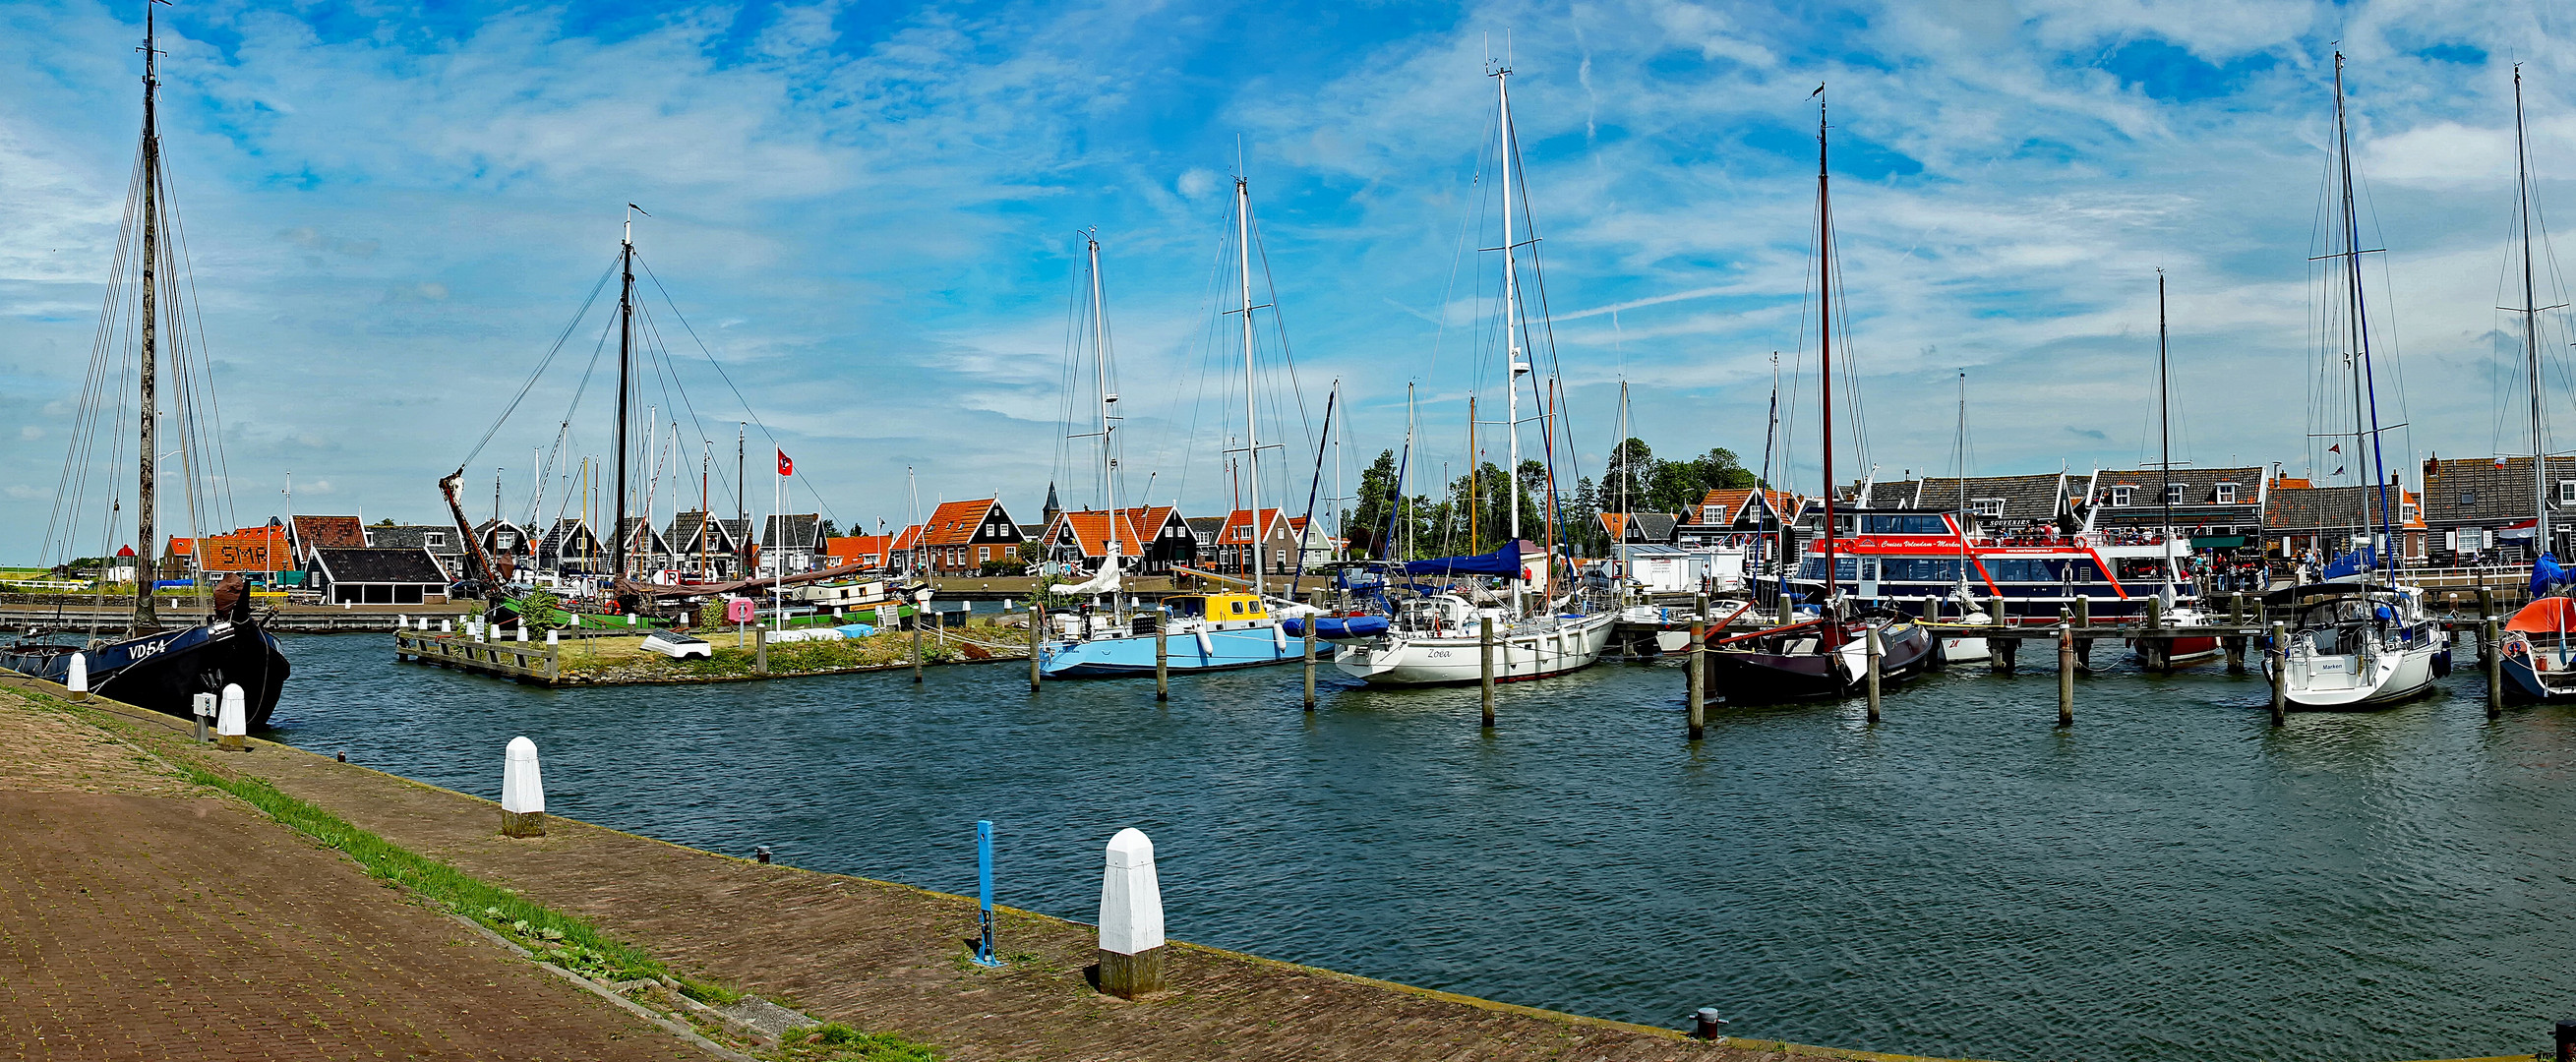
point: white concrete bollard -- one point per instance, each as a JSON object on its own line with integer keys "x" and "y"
{"x": 443, "y": 626}
{"x": 630, "y": 619}
{"x": 77, "y": 679}
{"x": 402, "y": 622}
{"x": 232, "y": 722}
{"x": 523, "y": 631}
{"x": 551, "y": 636}
{"x": 1131, "y": 919}
{"x": 523, "y": 792}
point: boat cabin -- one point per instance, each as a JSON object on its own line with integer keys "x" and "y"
{"x": 1221, "y": 610}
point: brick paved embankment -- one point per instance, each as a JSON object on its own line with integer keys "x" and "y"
{"x": 145, "y": 917}
{"x": 889, "y": 957}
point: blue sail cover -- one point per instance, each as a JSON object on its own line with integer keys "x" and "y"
{"x": 2354, "y": 563}
{"x": 1501, "y": 563}
{"x": 2547, "y": 577}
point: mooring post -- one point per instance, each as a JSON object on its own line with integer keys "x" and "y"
{"x": 2494, "y": 665}
{"x": 2156, "y": 613}
{"x": 1131, "y": 919}
{"x": 203, "y": 705}
{"x": 2002, "y": 653}
{"x": 984, "y": 890}
{"x": 2566, "y": 1040}
{"x": 77, "y": 678}
{"x": 1788, "y": 607}
{"x": 2065, "y": 675}
{"x": 1696, "y": 686}
{"x": 760, "y": 650}
{"x": 523, "y": 791}
{"x": 916, "y": 647}
{"x": 1874, "y": 652}
{"x": 2235, "y": 645}
{"x": 2083, "y": 610}
{"x": 2486, "y": 600}
{"x": 2276, "y": 658}
{"x": 1485, "y": 662}
{"x": 1306, "y": 656}
{"x": 1037, "y": 635}
{"x": 1162, "y": 657}
{"x": 232, "y": 722}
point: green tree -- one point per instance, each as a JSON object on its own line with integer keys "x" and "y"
{"x": 1377, "y": 497}
{"x": 1628, "y": 481}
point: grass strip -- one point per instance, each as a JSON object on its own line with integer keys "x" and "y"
{"x": 835, "y": 1042}
{"x": 554, "y": 936}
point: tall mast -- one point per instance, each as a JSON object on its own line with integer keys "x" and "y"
{"x": 1251, "y": 436}
{"x": 1961, "y": 515}
{"x": 1502, "y": 76}
{"x": 2164, "y": 436}
{"x": 1825, "y": 328}
{"x": 149, "y": 408}
{"x": 1100, "y": 372}
{"x": 2364, "y": 432}
{"x": 2530, "y": 326}
{"x": 625, "y": 367}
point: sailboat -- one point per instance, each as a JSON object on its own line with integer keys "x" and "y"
{"x": 1436, "y": 637}
{"x": 2536, "y": 658}
{"x": 1827, "y": 656}
{"x": 2170, "y": 652}
{"x": 2359, "y": 639}
{"x": 1212, "y": 631}
{"x": 155, "y": 666}
{"x": 1962, "y": 648}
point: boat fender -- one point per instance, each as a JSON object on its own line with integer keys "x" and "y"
{"x": 1278, "y": 638}
{"x": 1206, "y": 647}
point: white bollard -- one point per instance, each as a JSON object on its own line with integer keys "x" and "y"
{"x": 402, "y": 622}
{"x": 1131, "y": 919}
{"x": 523, "y": 631}
{"x": 203, "y": 705}
{"x": 443, "y": 626}
{"x": 232, "y": 722}
{"x": 77, "y": 680}
{"x": 551, "y": 635}
{"x": 523, "y": 792}
{"x": 630, "y": 619}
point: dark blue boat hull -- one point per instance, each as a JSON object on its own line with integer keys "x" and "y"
{"x": 165, "y": 671}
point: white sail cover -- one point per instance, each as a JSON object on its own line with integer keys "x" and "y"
{"x": 1104, "y": 581}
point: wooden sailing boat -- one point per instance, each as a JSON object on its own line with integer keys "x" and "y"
{"x": 155, "y": 666}
{"x": 1827, "y": 656}
{"x": 2537, "y": 660}
{"x": 2162, "y": 653}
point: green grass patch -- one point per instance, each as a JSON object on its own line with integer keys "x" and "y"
{"x": 554, "y": 936}
{"x": 835, "y": 1042}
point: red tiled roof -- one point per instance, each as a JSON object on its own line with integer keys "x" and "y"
{"x": 856, "y": 548}
{"x": 329, "y": 532}
{"x": 955, "y": 523}
{"x": 1238, "y": 525}
{"x": 907, "y": 538}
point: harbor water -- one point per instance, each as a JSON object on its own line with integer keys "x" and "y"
{"x": 2171, "y": 878}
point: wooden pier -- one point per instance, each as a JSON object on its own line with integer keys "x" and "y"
{"x": 525, "y": 661}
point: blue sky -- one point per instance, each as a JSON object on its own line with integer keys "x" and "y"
{"x": 868, "y": 211}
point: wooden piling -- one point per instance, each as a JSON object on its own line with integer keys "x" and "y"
{"x": 1162, "y": 658}
{"x": 2066, "y": 675}
{"x": 2083, "y": 610}
{"x": 2156, "y": 613}
{"x": 1874, "y": 652}
{"x": 1788, "y": 607}
{"x": 2235, "y": 646}
{"x": 2277, "y": 657}
{"x": 1931, "y": 609}
{"x": 2001, "y": 653}
{"x": 1306, "y": 652}
{"x": 1697, "y": 683}
{"x": 2236, "y": 614}
{"x": 1037, "y": 637}
{"x": 2495, "y": 666}
{"x": 760, "y": 650}
{"x": 1485, "y": 657}
{"x": 917, "y": 613}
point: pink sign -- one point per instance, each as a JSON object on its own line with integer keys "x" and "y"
{"x": 741, "y": 610}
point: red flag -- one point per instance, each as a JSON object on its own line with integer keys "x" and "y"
{"x": 785, "y": 466}
{"x": 2335, "y": 449}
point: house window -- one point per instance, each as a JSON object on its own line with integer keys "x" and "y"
{"x": 2120, "y": 495}
{"x": 983, "y": 554}
{"x": 2173, "y": 493}
{"x": 2567, "y": 492}
{"x": 2227, "y": 494}
{"x": 506, "y": 541}
{"x": 2468, "y": 498}
{"x": 1708, "y": 515}
{"x": 2406, "y": 512}
{"x": 1987, "y": 506}
{"x": 434, "y": 539}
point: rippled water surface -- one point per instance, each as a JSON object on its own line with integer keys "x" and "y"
{"x": 2170, "y": 879}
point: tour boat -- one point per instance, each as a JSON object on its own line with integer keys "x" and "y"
{"x": 150, "y": 665}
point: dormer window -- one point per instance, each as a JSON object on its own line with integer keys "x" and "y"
{"x": 434, "y": 539}
{"x": 2567, "y": 492}
{"x": 2468, "y": 498}
{"x": 2120, "y": 496}
{"x": 2173, "y": 493}
{"x": 1987, "y": 506}
{"x": 2227, "y": 494}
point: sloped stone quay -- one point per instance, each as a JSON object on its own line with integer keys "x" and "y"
{"x": 305, "y": 950}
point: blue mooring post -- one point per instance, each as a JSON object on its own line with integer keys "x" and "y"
{"x": 984, "y": 888}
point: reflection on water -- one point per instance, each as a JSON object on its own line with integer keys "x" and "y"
{"x": 2171, "y": 878}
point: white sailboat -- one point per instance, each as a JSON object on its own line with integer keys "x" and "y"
{"x": 1438, "y": 639}
{"x": 2360, "y": 639}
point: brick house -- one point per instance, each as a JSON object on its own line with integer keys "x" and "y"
{"x": 962, "y": 536}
